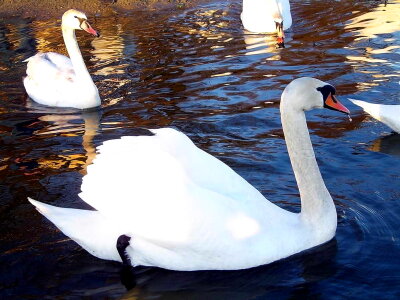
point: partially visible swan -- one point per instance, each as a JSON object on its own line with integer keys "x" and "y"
{"x": 266, "y": 16}
{"x": 56, "y": 80}
{"x": 387, "y": 114}
{"x": 161, "y": 201}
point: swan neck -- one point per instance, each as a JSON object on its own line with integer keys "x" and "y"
{"x": 75, "y": 54}
{"x": 317, "y": 206}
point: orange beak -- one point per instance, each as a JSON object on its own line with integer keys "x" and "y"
{"x": 281, "y": 33}
{"x": 86, "y": 26}
{"x": 332, "y": 102}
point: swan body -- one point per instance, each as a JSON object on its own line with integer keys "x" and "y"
{"x": 183, "y": 209}
{"x": 56, "y": 80}
{"x": 387, "y": 114}
{"x": 261, "y": 16}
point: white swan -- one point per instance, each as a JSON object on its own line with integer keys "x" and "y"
{"x": 387, "y": 114}
{"x": 56, "y": 80}
{"x": 161, "y": 201}
{"x": 266, "y": 16}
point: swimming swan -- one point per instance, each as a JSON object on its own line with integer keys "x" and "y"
{"x": 56, "y": 80}
{"x": 161, "y": 201}
{"x": 266, "y": 16}
{"x": 387, "y": 114}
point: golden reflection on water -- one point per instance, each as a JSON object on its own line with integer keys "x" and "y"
{"x": 65, "y": 125}
{"x": 260, "y": 44}
{"x": 381, "y": 28}
{"x": 389, "y": 144}
{"x": 207, "y": 25}
{"x": 109, "y": 47}
{"x": 381, "y": 20}
{"x": 45, "y": 35}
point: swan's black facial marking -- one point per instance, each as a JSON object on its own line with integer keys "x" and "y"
{"x": 327, "y": 90}
{"x": 278, "y": 25}
{"x": 81, "y": 20}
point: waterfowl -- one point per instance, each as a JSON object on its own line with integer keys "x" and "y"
{"x": 56, "y": 80}
{"x": 161, "y": 201}
{"x": 387, "y": 114}
{"x": 266, "y": 16}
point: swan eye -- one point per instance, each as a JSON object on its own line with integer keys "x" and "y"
{"x": 326, "y": 90}
{"x": 81, "y": 20}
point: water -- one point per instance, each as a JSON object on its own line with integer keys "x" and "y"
{"x": 197, "y": 71}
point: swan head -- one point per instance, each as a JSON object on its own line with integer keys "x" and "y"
{"x": 77, "y": 20}
{"x": 308, "y": 93}
{"x": 278, "y": 20}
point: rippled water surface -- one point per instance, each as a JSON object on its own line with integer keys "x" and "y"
{"x": 196, "y": 70}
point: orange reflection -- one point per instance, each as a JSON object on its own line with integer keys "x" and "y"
{"x": 66, "y": 125}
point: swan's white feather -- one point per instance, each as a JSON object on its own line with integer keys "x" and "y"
{"x": 56, "y": 80}
{"x": 51, "y": 81}
{"x": 174, "y": 196}
{"x": 187, "y": 210}
{"x": 387, "y": 114}
{"x": 258, "y": 15}
{"x": 88, "y": 228}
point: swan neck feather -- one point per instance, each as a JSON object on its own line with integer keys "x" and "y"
{"x": 75, "y": 55}
{"x": 317, "y": 206}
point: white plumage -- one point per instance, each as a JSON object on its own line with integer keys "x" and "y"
{"x": 259, "y": 16}
{"x": 56, "y": 80}
{"x": 387, "y": 114}
{"x": 186, "y": 210}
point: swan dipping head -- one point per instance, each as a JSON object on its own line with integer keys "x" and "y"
{"x": 308, "y": 93}
{"x": 77, "y": 20}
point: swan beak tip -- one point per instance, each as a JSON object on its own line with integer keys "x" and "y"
{"x": 280, "y": 42}
{"x": 89, "y": 29}
{"x": 332, "y": 103}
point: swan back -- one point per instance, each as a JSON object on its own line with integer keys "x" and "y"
{"x": 261, "y": 15}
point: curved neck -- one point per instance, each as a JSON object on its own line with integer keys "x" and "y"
{"x": 317, "y": 205}
{"x": 75, "y": 55}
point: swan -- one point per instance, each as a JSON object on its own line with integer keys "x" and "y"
{"x": 387, "y": 114}
{"x": 266, "y": 16}
{"x": 56, "y": 80}
{"x": 161, "y": 201}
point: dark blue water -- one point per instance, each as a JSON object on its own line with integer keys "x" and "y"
{"x": 196, "y": 71}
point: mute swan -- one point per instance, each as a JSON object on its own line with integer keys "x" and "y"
{"x": 56, "y": 80}
{"x": 161, "y": 201}
{"x": 387, "y": 114}
{"x": 262, "y": 16}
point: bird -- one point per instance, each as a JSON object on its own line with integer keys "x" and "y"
{"x": 387, "y": 114}
{"x": 161, "y": 201}
{"x": 267, "y": 16}
{"x": 53, "y": 79}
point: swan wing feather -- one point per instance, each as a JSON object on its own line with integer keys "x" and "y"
{"x": 43, "y": 68}
{"x": 163, "y": 188}
{"x": 387, "y": 114}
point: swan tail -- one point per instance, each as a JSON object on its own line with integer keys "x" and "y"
{"x": 91, "y": 230}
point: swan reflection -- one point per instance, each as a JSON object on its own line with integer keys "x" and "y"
{"x": 269, "y": 280}
{"x": 70, "y": 124}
